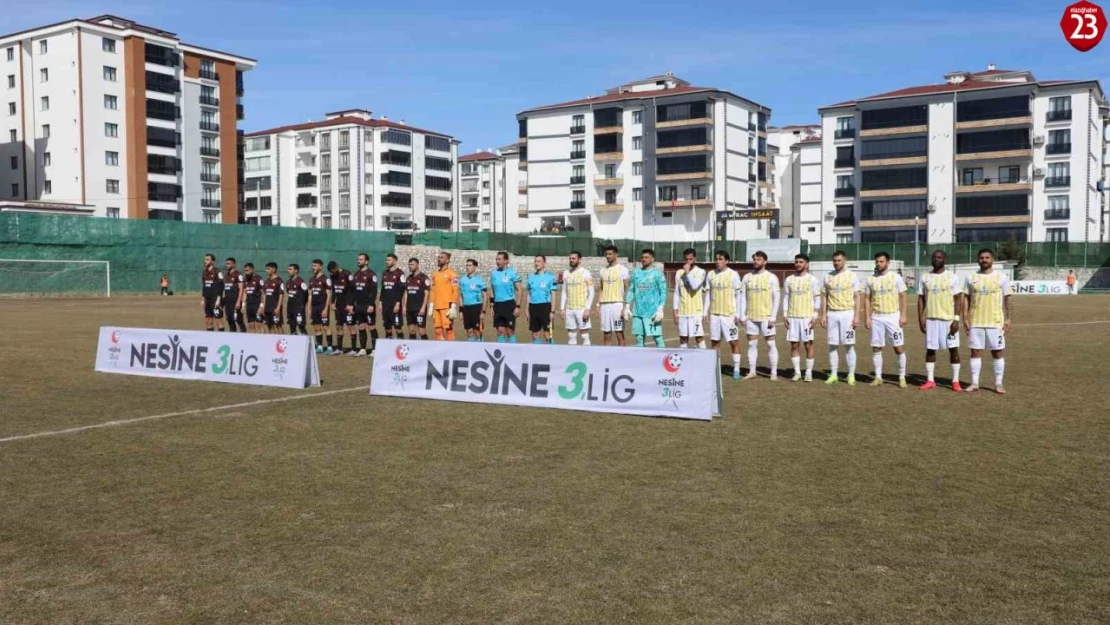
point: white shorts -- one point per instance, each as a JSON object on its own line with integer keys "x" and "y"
{"x": 986, "y": 338}
{"x": 798, "y": 330}
{"x": 691, "y": 326}
{"x": 886, "y": 328}
{"x": 577, "y": 321}
{"x": 611, "y": 319}
{"x": 723, "y": 327}
{"x": 760, "y": 328}
{"x": 939, "y": 335}
{"x": 841, "y": 331}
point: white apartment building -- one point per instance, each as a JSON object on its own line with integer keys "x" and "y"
{"x": 481, "y": 198}
{"x": 806, "y": 189}
{"x": 123, "y": 117}
{"x": 352, "y": 172}
{"x": 984, "y": 156}
{"x": 516, "y": 218}
{"x": 655, "y": 159}
{"x": 782, "y": 141}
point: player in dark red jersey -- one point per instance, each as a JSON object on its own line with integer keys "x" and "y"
{"x": 319, "y": 305}
{"x": 211, "y": 289}
{"x": 273, "y": 290}
{"x": 393, "y": 293}
{"x": 296, "y": 299}
{"x": 417, "y": 287}
{"x": 340, "y": 285}
{"x": 233, "y": 297}
{"x": 252, "y": 298}
{"x": 363, "y": 305}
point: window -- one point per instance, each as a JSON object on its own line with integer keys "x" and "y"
{"x": 1059, "y": 142}
{"x": 344, "y": 202}
{"x": 344, "y": 139}
{"x": 111, "y": 159}
{"x": 344, "y": 182}
{"x": 47, "y": 187}
{"x": 577, "y": 146}
{"x": 15, "y": 190}
{"x": 257, "y": 163}
{"x": 208, "y": 69}
{"x": 844, "y": 123}
{"x": 1059, "y": 171}
{"x": 11, "y": 54}
{"x": 267, "y": 221}
{"x": 485, "y": 201}
{"x": 637, "y": 143}
{"x": 971, "y": 176}
{"x": 578, "y": 171}
{"x": 109, "y": 73}
{"x": 1059, "y": 202}
{"x": 485, "y": 184}
{"x": 1056, "y": 105}
{"x": 1056, "y": 235}
{"x": 368, "y": 178}
{"x": 325, "y": 202}
{"x": 108, "y": 45}
{"x": 44, "y": 75}
{"x": 111, "y": 102}
{"x": 46, "y": 131}
{"x": 578, "y": 196}
{"x": 113, "y": 212}
{"x": 697, "y": 192}
{"x": 398, "y": 137}
{"x": 637, "y": 194}
{"x": 43, "y": 46}
{"x": 325, "y": 182}
{"x": 637, "y": 168}
{"x": 437, "y": 143}
{"x": 577, "y": 123}
{"x": 44, "y": 103}
{"x": 111, "y": 186}
{"x": 15, "y": 162}
{"x": 11, "y": 81}
{"x": 325, "y": 161}
{"x": 1009, "y": 174}
{"x": 325, "y": 141}
{"x": 257, "y": 144}
{"x": 843, "y": 182}
{"x": 11, "y": 108}
{"x": 345, "y": 222}
{"x": 344, "y": 160}
{"x": 843, "y": 238}
{"x": 637, "y": 117}
{"x": 111, "y": 130}
{"x": 46, "y": 160}
{"x": 668, "y": 194}
{"x": 13, "y": 135}
{"x": 209, "y": 217}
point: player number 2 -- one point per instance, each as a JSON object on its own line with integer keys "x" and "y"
{"x": 850, "y": 335}
{"x": 1087, "y": 21}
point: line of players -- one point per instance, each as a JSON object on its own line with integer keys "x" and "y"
{"x": 719, "y": 298}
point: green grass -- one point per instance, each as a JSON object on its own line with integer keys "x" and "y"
{"x": 804, "y": 504}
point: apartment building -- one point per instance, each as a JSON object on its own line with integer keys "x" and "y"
{"x": 481, "y": 197}
{"x": 782, "y": 141}
{"x": 806, "y": 189}
{"x": 351, "y": 171}
{"x": 123, "y": 117}
{"x": 654, "y": 159}
{"x": 984, "y": 156}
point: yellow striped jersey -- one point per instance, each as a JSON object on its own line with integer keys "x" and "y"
{"x": 577, "y": 283}
{"x": 802, "y": 289}
{"x": 987, "y": 293}
{"x": 841, "y": 289}
{"x": 940, "y": 291}
{"x": 689, "y": 303}
{"x": 723, "y": 286}
{"x": 759, "y": 290}
{"x": 612, "y": 284}
{"x": 884, "y": 290}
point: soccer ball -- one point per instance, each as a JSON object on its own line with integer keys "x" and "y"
{"x": 675, "y": 361}
{"x": 403, "y": 351}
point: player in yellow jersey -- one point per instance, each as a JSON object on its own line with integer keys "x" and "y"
{"x": 723, "y": 295}
{"x": 801, "y": 300}
{"x": 939, "y": 303}
{"x": 689, "y": 306}
{"x": 840, "y": 308}
{"x": 576, "y": 299}
{"x": 759, "y": 306}
{"x": 987, "y": 319}
{"x": 885, "y": 315}
{"x": 611, "y": 308}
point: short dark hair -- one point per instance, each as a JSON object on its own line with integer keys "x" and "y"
{"x": 210, "y": 256}
{"x": 760, "y": 254}
{"x": 801, "y": 256}
{"x": 231, "y": 258}
{"x": 504, "y": 255}
{"x": 472, "y": 261}
{"x": 414, "y": 260}
{"x": 542, "y": 256}
{"x": 576, "y": 253}
{"x": 389, "y": 255}
{"x": 882, "y": 255}
{"x": 987, "y": 250}
{"x": 271, "y": 265}
{"x": 839, "y": 253}
{"x": 250, "y": 265}
{"x": 941, "y": 252}
{"x": 363, "y": 255}
{"x": 686, "y": 252}
{"x": 647, "y": 250}
{"x": 317, "y": 261}
{"x": 332, "y": 265}
{"x": 447, "y": 254}
{"x": 610, "y": 248}
{"x": 722, "y": 254}
{"x": 295, "y": 266}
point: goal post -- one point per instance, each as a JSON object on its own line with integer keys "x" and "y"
{"x": 46, "y": 276}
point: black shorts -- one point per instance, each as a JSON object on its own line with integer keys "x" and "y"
{"x": 341, "y": 312}
{"x": 391, "y": 320}
{"x": 295, "y": 317}
{"x": 472, "y": 316}
{"x": 320, "y": 316}
{"x": 210, "y": 310}
{"x": 416, "y": 318}
{"x": 231, "y": 312}
{"x": 503, "y": 315}
{"x": 539, "y": 317}
{"x": 254, "y": 312}
{"x": 272, "y": 318}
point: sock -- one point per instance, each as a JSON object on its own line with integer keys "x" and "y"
{"x": 834, "y": 360}
{"x": 572, "y": 338}
{"x": 878, "y": 360}
{"x": 851, "y": 357}
{"x": 423, "y": 337}
{"x": 339, "y": 341}
{"x": 242, "y": 325}
{"x": 373, "y": 339}
{"x": 773, "y": 356}
{"x": 955, "y": 372}
{"x": 999, "y": 370}
{"x": 797, "y": 362}
{"x": 536, "y": 341}
{"x": 439, "y": 334}
{"x": 639, "y": 340}
{"x": 753, "y": 354}
{"x": 362, "y": 339}
{"x": 809, "y": 367}
{"x": 500, "y": 338}
{"x": 329, "y": 339}
{"x": 701, "y": 344}
{"x": 683, "y": 346}
{"x": 659, "y": 342}
{"x": 736, "y": 362}
{"x": 902, "y": 365}
{"x": 319, "y": 340}
{"x": 976, "y": 366}
{"x": 930, "y": 369}
{"x": 586, "y": 339}
{"x": 230, "y": 326}
{"x": 209, "y": 329}
{"x": 512, "y": 339}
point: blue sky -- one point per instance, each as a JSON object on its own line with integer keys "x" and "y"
{"x": 466, "y": 68}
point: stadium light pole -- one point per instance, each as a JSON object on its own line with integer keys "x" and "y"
{"x": 916, "y": 250}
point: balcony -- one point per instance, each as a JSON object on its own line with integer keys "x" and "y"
{"x": 306, "y": 182}
{"x": 1058, "y": 181}
{"x": 577, "y": 180}
{"x": 1020, "y": 151}
{"x": 576, "y": 154}
{"x": 163, "y": 197}
{"x": 522, "y": 210}
{"x": 603, "y": 207}
{"x": 577, "y": 130}
{"x": 685, "y": 202}
{"x": 844, "y": 163}
{"x": 577, "y": 204}
{"x": 609, "y": 156}
{"x": 679, "y": 123}
{"x": 608, "y": 130}
{"x": 1058, "y": 116}
{"x": 209, "y": 177}
{"x": 844, "y": 221}
{"x": 751, "y": 202}
{"x": 207, "y": 100}
{"x": 209, "y": 75}
{"x": 994, "y": 119}
{"x": 1057, "y": 148}
{"x": 687, "y": 175}
{"x": 845, "y": 192}
{"x": 306, "y": 203}
{"x": 896, "y": 121}
{"x": 209, "y": 203}
{"x": 239, "y": 114}
{"x": 845, "y": 133}
{"x": 683, "y": 149}
{"x": 469, "y": 190}
{"x": 1056, "y": 214}
{"x": 988, "y": 185}
{"x": 751, "y": 177}
{"x": 210, "y": 126}
{"x": 522, "y": 187}
{"x": 608, "y": 181}
{"x": 751, "y": 152}
{"x": 522, "y": 166}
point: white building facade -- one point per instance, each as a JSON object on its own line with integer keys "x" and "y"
{"x": 122, "y": 117}
{"x": 982, "y": 157}
{"x": 352, "y": 172}
{"x": 655, "y": 159}
{"x": 781, "y": 142}
{"x": 482, "y": 193}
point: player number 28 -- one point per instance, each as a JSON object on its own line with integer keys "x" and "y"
{"x": 1085, "y": 21}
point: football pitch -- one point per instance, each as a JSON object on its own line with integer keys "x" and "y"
{"x": 131, "y": 500}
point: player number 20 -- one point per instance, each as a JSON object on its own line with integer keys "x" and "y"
{"x": 733, "y": 333}
{"x": 1085, "y": 22}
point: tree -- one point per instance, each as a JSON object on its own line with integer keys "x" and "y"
{"x": 1012, "y": 250}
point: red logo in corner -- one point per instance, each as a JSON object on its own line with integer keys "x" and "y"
{"x": 1083, "y": 25}
{"x": 115, "y": 336}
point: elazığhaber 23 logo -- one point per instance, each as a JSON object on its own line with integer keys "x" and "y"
{"x": 173, "y": 356}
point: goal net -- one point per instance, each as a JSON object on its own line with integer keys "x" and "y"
{"x": 55, "y": 277}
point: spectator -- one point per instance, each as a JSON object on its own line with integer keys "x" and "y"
{"x": 1072, "y": 290}
{"x": 165, "y": 284}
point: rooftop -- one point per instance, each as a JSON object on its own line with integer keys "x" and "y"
{"x": 344, "y": 120}
{"x": 479, "y": 156}
{"x": 653, "y": 87}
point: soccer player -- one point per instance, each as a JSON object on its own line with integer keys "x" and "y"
{"x": 988, "y": 319}
{"x": 723, "y": 301}
{"x": 252, "y": 296}
{"x": 840, "y": 314}
{"x": 472, "y": 291}
{"x": 505, "y": 289}
{"x": 417, "y": 286}
{"x": 444, "y": 305}
{"x": 575, "y": 300}
{"x": 233, "y": 297}
{"x": 393, "y": 292}
{"x": 319, "y": 300}
{"x": 296, "y": 300}
{"x": 758, "y": 312}
{"x": 362, "y": 295}
{"x": 344, "y": 318}
{"x": 884, "y": 310}
{"x": 939, "y": 303}
{"x": 611, "y": 308}
{"x": 647, "y": 293}
{"x": 210, "y": 292}
{"x": 541, "y": 285}
{"x": 274, "y": 290}
{"x": 689, "y": 305}
{"x": 801, "y": 299}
